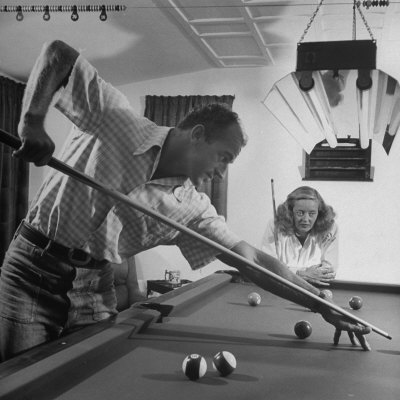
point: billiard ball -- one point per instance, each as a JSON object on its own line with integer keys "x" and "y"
{"x": 254, "y": 299}
{"x": 224, "y": 362}
{"x": 302, "y": 329}
{"x": 328, "y": 294}
{"x": 356, "y": 302}
{"x": 194, "y": 366}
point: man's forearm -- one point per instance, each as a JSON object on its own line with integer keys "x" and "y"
{"x": 267, "y": 282}
{"x": 280, "y": 289}
{"x": 49, "y": 73}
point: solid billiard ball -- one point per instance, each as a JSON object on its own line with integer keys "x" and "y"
{"x": 194, "y": 366}
{"x": 254, "y": 299}
{"x": 327, "y": 293}
{"x": 302, "y": 329}
{"x": 356, "y": 302}
{"x": 224, "y": 362}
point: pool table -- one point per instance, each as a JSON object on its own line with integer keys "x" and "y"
{"x": 139, "y": 354}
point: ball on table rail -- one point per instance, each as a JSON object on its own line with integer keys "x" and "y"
{"x": 194, "y": 366}
{"x": 254, "y": 299}
{"x": 356, "y": 302}
{"x": 224, "y": 362}
{"x": 302, "y": 329}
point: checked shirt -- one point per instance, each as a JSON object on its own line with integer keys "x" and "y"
{"x": 120, "y": 149}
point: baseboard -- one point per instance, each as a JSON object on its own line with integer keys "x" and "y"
{"x": 366, "y": 286}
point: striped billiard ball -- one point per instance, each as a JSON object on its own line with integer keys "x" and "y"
{"x": 224, "y": 362}
{"x": 194, "y": 366}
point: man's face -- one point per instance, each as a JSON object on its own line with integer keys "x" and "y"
{"x": 305, "y": 213}
{"x": 210, "y": 159}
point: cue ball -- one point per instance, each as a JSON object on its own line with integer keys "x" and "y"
{"x": 224, "y": 362}
{"x": 254, "y": 299}
{"x": 327, "y": 293}
{"x": 302, "y": 329}
{"x": 194, "y": 366}
{"x": 356, "y": 302}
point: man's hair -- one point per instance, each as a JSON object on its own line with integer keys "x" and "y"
{"x": 284, "y": 215}
{"x": 215, "y": 118}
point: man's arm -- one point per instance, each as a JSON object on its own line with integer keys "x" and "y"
{"x": 274, "y": 286}
{"x": 49, "y": 74}
{"x": 265, "y": 281}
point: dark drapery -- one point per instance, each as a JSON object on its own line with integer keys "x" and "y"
{"x": 168, "y": 111}
{"x": 14, "y": 173}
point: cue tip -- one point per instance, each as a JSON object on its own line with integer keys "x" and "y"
{"x": 382, "y": 333}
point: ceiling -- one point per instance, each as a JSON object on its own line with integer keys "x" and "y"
{"x": 158, "y": 38}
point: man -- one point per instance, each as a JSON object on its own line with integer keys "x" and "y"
{"x": 57, "y": 272}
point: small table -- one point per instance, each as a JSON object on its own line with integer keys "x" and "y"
{"x": 163, "y": 286}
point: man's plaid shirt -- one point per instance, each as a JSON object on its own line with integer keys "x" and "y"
{"x": 120, "y": 149}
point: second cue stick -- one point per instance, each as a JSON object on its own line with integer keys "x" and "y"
{"x": 274, "y": 211}
{"x": 14, "y": 142}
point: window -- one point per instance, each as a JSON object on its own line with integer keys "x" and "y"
{"x": 346, "y": 162}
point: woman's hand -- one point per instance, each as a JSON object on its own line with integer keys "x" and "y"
{"x": 321, "y": 274}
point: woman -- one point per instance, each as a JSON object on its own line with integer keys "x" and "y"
{"x": 304, "y": 236}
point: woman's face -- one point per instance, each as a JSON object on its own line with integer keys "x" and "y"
{"x": 305, "y": 213}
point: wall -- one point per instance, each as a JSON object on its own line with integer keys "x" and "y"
{"x": 369, "y": 233}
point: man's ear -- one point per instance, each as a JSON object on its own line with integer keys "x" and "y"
{"x": 197, "y": 133}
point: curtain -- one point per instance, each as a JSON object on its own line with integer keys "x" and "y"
{"x": 168, "y": 111}
{"x": 14, "y": 173}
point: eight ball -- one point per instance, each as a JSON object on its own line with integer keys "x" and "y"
{"x": 356, "y": 302}
{"x": 302, "y": 329}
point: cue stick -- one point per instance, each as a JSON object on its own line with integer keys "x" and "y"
{"x": 274, "y": 211}
{"x": 15, "y": 142}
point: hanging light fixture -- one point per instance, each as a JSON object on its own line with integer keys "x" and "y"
{"x": 337, "y": 92}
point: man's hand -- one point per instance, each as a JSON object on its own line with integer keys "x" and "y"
{"x": 355, "y": 331}
{"x": 37, "y": 147}
{"x": 321, "y": 274}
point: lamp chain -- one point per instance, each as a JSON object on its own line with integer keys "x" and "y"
{"x": 356, "y": 4}
{"x": 311, "y": 21}
{"x": 365, "y": 22}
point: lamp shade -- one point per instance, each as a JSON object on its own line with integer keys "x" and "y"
{"x": 329, "y": 104}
